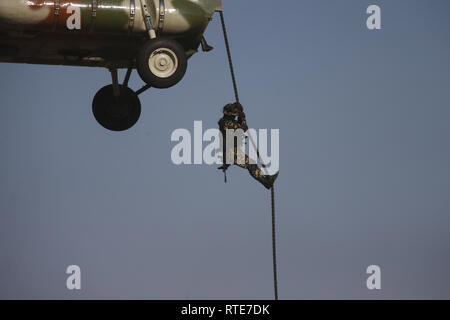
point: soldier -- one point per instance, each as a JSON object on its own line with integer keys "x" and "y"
{"x": 229, "y": 121}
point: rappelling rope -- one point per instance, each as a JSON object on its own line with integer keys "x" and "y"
{"x": 230, "y": 61}
{"x": 274, "y": 244}
{"x": 272, "y": 190}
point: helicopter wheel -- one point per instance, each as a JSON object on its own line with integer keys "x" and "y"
{"x": 161, "y": 62}
{"x": 116, "y": 113}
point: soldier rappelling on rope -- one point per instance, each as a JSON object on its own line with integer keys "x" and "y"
{"x": 234, "y": 122}
{"x": 234, "y": 118}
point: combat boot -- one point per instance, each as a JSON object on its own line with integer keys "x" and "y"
{"x": 268, "y": 181}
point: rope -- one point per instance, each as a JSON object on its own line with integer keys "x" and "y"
{"x": 274, "y": 245}
{"x": 230, "y": 61}
{"x": 272, "y": 190}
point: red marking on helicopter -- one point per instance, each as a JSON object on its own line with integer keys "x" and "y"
{"x": 69, "y": 12}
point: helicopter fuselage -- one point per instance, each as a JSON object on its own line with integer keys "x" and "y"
{"x": 99, "y": 33}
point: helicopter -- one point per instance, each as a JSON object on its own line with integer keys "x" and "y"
{"x": 155, "y": 37}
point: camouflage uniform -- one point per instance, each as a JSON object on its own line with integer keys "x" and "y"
{"x": 229, "y": 121}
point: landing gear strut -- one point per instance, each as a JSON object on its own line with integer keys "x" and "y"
{"x": 116, "y": 107}
{"x": 161, "y": 63}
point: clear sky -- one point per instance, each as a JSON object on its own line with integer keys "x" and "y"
{"x": 365, "y": 165}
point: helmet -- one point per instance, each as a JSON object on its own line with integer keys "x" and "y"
{"x": 233, "y": 109}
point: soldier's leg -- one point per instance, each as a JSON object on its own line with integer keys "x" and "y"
{"x": 243, "y": 164}
{"x": 253, "y": 169}
{"x": 266, "y": 180}
{"x": 230, "y": 152}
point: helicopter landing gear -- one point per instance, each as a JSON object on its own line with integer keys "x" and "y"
{"x": 161, "y": 62}
{"x": 117, "y": 107}
{"x": 205, "y": 46}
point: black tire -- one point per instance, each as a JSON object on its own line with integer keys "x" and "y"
{"x": 173, "y": 50}
{"x": 116, "y": 114}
